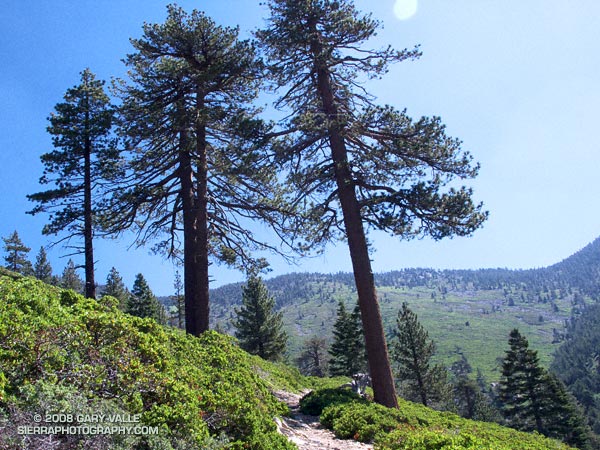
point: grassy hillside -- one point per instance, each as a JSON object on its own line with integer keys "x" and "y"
{"x": 468, "y": 312}
{"x": 66, "y": 361}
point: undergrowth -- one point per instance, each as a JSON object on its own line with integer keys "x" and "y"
{"x": 413, "y": 426}
{"x": 60, "y": 352}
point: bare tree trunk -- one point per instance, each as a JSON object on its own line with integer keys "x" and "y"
{"x": 186, "y": 177}
{"x": 201, "y": 257}
{"x": 90, "y": 283}
{"x": 377, "y": 353}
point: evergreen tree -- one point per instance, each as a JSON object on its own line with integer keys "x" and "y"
{"x": 470, "y": 399}
{"x": 348, "y": 348}
{"x": 576, "y": 363}
{"x": 70, "y": 279}
{"x": 195, "y": 174}
{"x": 116, "y": 288}
{"x": 258, "y": 328}
{"x": 412, "y": 351}
{"x": 356, "y": 163}
{"x": 84, "y": 154}
{"x": 16, "y": 255}
{"x": 142, "y": 302}
{"x": 533, "y": 400}
{"x": 42, "y": 269}
{"x": 179, "y": 301}
{"x": 313, "y": 360}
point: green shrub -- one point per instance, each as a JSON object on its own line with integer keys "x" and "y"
{"x": 188, "y": 387}
{"x": 360, "y": 421}
{"x": 415, "y": 427}
{"x": 314, "y": 402}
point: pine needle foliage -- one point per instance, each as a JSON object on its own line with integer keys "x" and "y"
{"x": 42, "y": 269}
{"x": 412, "y": 350}
{"x": 196, "y": 173}
{"x": 534, "y": 400}
{"x": 116, "y": 288}
{"x": 142, "y": 302}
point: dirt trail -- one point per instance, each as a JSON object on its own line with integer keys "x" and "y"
{"x": 306, "y": 431}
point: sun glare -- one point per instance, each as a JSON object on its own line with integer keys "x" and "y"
{"x": 405, "y": 9}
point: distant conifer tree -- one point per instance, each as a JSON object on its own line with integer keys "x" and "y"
{"x": 348, "y": 349}
{"x": 42, "y": 269}
{"x": 116, "y": 288}
{"x": 70, "y": 279}
{"x": 142, "y": 302}
{"x": 313, "y": 360}
{"x": 534, "y": 400}
{"x": 179, "y": 301}
{"x": 258, "y": 328}
{"x": 16, "y": 255}
{"x": 412, "y": 350}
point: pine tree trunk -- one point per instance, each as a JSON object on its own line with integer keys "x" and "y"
{"x": 201, "y": 256}
{"x": 90, "y": 283}
{"x": 377, "y": 353}
{"x": 189, "y": 237}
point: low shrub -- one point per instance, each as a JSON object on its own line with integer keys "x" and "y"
{"x": 415, "y": 427}
{"x": 314, "y": 402}
{"x": 196, "y": 390}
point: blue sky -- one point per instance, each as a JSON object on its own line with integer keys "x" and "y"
{"x": 518, "y": 82}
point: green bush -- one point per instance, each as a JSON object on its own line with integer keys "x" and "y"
{"x": 360, "y": 421}
{"x": 415, "y": 427}
{"x": 314, "y": 402}
{"x": 196, "y": 390}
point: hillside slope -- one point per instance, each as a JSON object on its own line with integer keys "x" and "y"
{"x": 69, "y": 363}
{"x": 63, "y": 356}
{"x": 467, "y": 312}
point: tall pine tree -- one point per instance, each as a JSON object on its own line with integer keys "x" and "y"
{"x": 16, "y": 255}
{"x": 195, "y": 174}
{"x": 258, "y": 328}
{"x": 84, "y": 155}
{"x": 348, "y": 348}
{"x": 412, "y": 350}
{"x": 358, "y": 165}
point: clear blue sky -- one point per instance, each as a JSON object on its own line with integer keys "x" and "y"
{"x": 517, "y": 81}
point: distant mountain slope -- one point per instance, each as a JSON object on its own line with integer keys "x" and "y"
{"x": 467, "y": 312}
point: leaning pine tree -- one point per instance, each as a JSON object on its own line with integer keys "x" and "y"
{"x": 357, "y": 165}
{"x": 84, "y": 155}
{"x": 258, "y": 328}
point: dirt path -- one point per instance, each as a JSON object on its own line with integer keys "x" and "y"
{"x": 306, "y": 431}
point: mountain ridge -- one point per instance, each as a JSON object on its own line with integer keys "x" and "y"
{"x": 464, "y": 311}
